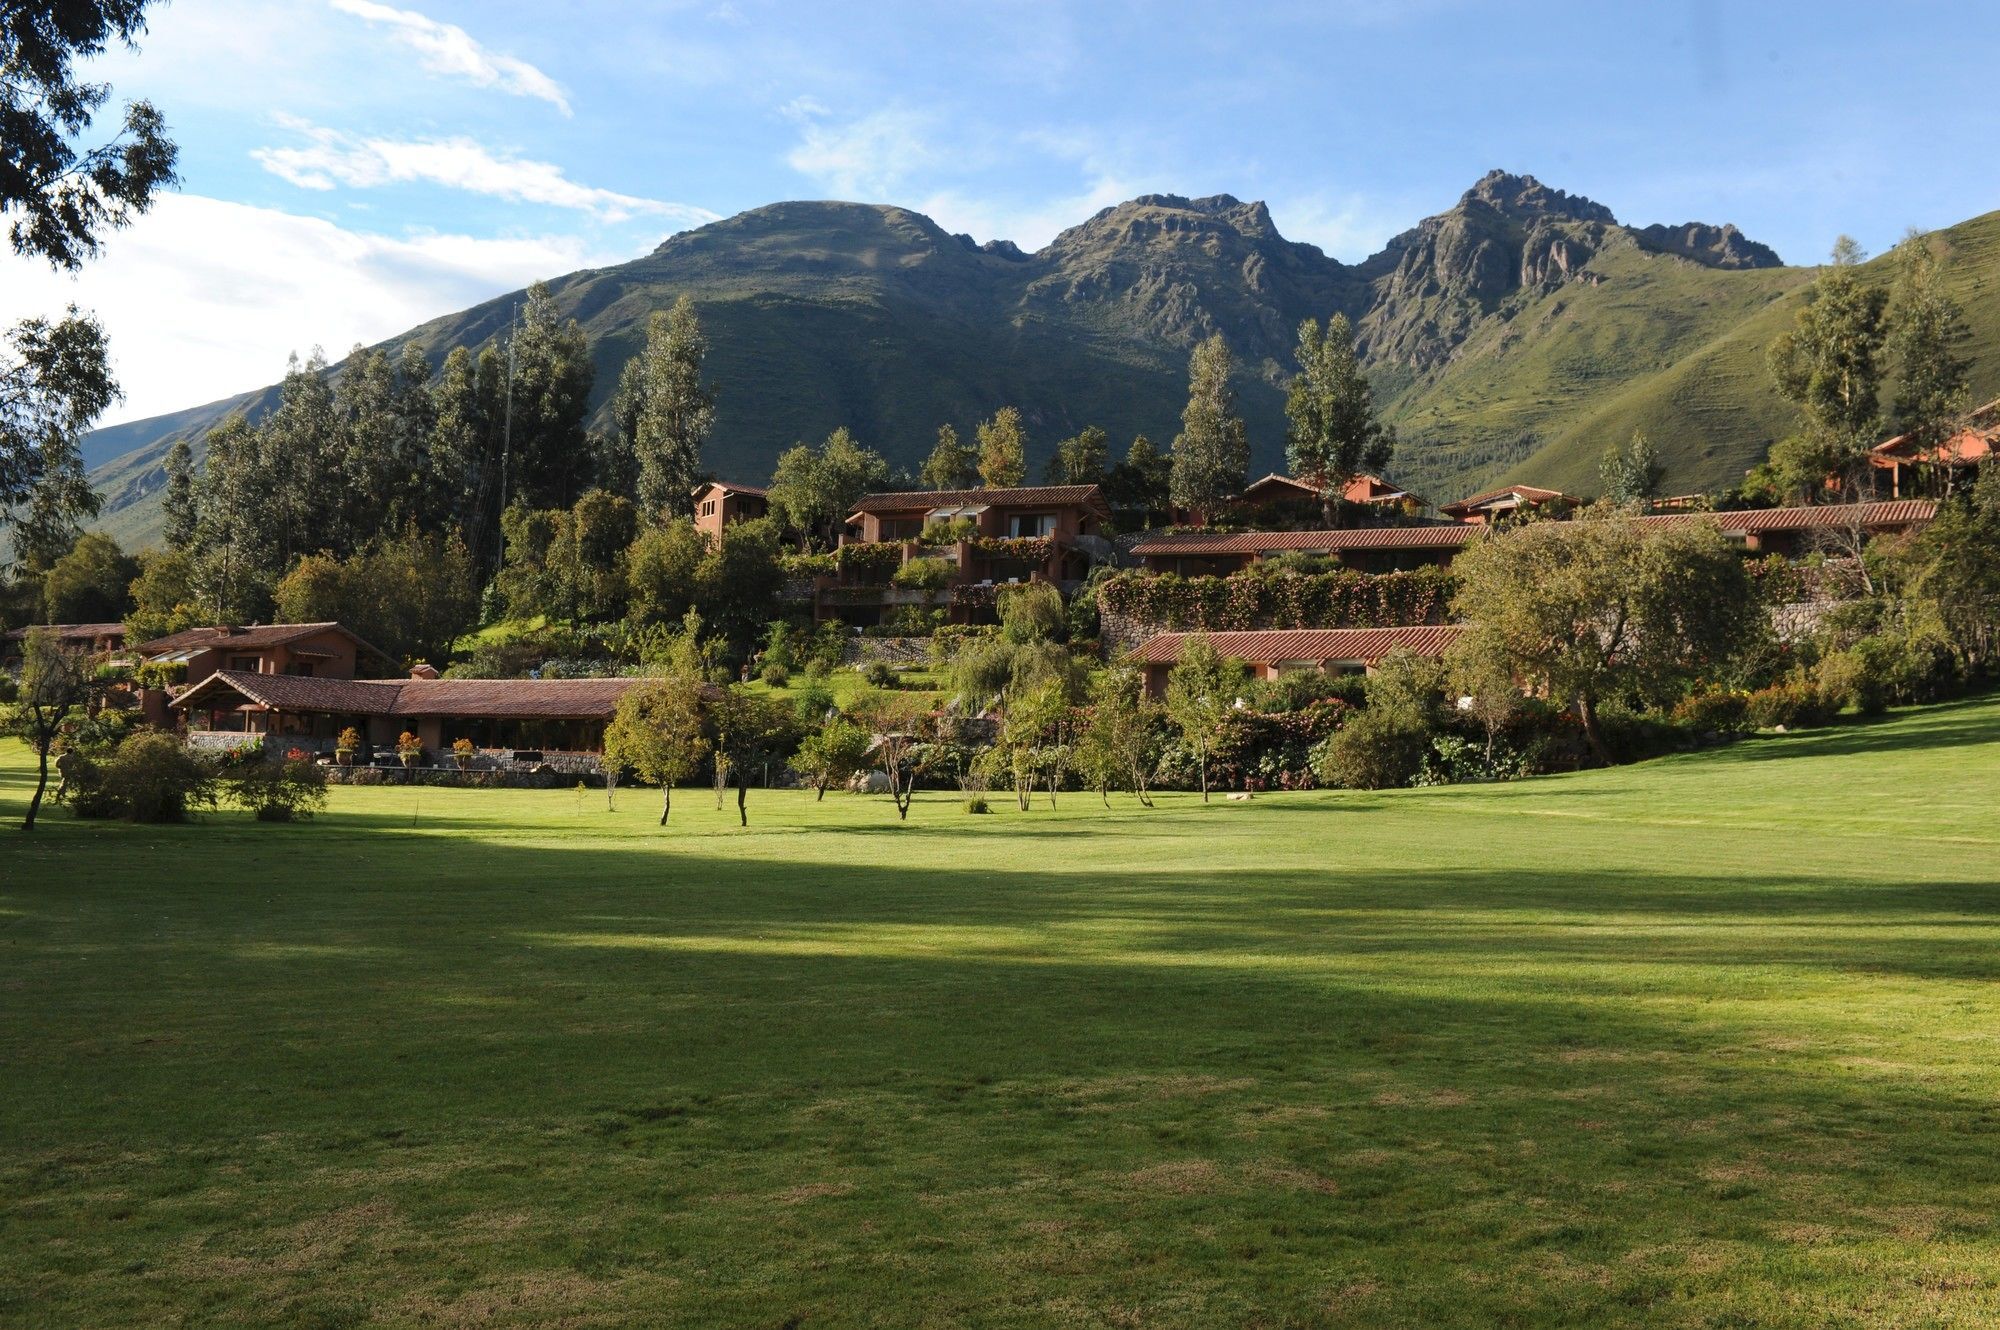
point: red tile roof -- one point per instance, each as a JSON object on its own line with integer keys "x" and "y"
{"x": 1973, "y": 442}
{"x": 1527, "y": 494}
{"x": 1031, "y": 496}
{"x": 1822, "y": 517}
{"x": 1274, "y": 645}
{"x": 1442, "y": 535}
{"x": 544, "y": 699}
{"x": 250, "y": 638}
{"x": 1276, "y": 481}
{"x": 67, "y": 632}
{"x": 733, "y": 488}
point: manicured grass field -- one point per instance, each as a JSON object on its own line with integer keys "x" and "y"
{"x": 1711, "y": 1041}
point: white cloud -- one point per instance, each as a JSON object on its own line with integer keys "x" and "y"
{"x": 1349, "y": 229}
{"x": 204, "y": 298}
{"x": 450, "y": 50}
{"x": 336, "y": 158}
{"x": 866, "y": 159}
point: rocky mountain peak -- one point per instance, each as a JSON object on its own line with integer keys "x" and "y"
{"x": 1523, "y": 198}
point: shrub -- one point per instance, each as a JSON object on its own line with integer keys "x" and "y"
{"x": 1376, "y": 749}
{"x": 1342, "y": 599}
{"x": 289, "y": 791}
{"x": 976, "y": 804}
{"x": 870, "y": 564}
{"x": 462, "y": 751}
{"x": 775, "y": 674}
{"x": 1791, "y": 703}
{"x": 1715, "y": 710}
{"x": 877, "y": 674}
{"x": 926, "y": 574}
{"x": 150, "y": 778}
{"x": 409, "y": 748}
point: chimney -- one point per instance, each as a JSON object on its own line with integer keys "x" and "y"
{"x": 423, "y": 670}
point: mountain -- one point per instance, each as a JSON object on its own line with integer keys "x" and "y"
{"x": 1510, "y": 337}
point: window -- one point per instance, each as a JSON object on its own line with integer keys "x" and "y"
{"x": 902, "y": 528}
{"x": 708, "y": 508}
{"x": 302, "y": 668}
{"x": 247, "y": 664}
{"x": 1031, "y": 524}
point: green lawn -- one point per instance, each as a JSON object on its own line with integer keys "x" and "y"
{"x": 1712, "y": 1041}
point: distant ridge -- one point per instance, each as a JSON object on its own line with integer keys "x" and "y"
{"x": 1511, "y": 336}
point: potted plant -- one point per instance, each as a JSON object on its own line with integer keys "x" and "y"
{"x": 461, "y": 753}
{"x": 346, "y": 746}
{"x": 409, "y": 747}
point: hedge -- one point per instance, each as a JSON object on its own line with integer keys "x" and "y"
{"x": 1343, "y": 598}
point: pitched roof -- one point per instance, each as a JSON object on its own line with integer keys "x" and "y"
{"x": 68, "y": 632}
{"x": 1526, "y": 493}
{"x": 1976, "y": 440}
{"x": 732, "y": 487}
{"x": 1821, "y": 517}
{"x": 1441, "y": 535}
{"x": 1274, "y": 645}
{"x": 254, "y": 637}
{"x": 527, "y": 699}
{"x": 1053, "y": 496}
{"x": 1276, "y": 481}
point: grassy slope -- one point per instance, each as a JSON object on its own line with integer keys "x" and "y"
{"x": 1662, "y": 346}
{"x": 1687, "y": 1043}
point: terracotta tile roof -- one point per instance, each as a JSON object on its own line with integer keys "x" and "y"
{"x": 251, "y": 638}
{"x": 1277, "y": 481}
{"x": 68, "y": 632}
{"x": 733, "y": 488}
{"x": 1527, "y": 493}
{"x": 1822, "y": 517}
{"x": 1441, "y": 535}
{"x": 1053, "y": 496}
{"x": 1971, "y": 443}
{"x": 1271, "y": 646}
{"x": 547, "y": 699}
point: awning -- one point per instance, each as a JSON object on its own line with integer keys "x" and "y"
{"x": 953, "y": 514}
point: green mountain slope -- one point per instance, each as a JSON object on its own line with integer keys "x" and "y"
{"x": 1511, "y": 336}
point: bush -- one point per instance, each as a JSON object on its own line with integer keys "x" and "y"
{"x": 1377, "y": 749}
{"x": 1792, "y": 703}
{"x": 925, "y": 574}
{"x": 977, "y": 804}
{"x": 775, "y": 675}
{"x": 289, "y": 791}
{"x": 150, "y": 778}
{"x": 1716, "y": 710}
{"x": 877, "y": 674}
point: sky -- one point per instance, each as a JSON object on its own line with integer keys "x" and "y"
{"x": 351, "y": 168}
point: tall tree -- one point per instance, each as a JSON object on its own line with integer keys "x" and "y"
{"x": 177, "y": 503}
{"x": 55, "y": 379}
{"x": 1927, "y": 329}
{"x": 750, "y": 732}
{"x": 1829, "y": 363}
{"x": 658, "y": 729}
{"x": 92, "y": 583}
{"x": 1631, "y": 475}
{"x": 951, "y": 465}
{"x": 228, "y": 534}
{"x": 813, "y": 490}
{"x": 55, "y": 681}
{"x": 300, "y": 466}
{"x": 1143, "y": 479}
{"x": 58, "y": 196}
{"x": 548, "y": 454}
{"x": 1201, "y": 688}
{"x": 1212, "y": 451}
{"x": 463, "y": 449}
{"x": 1334, "y": 433}
{"x": 1602, "y": 606}
{"x": 665, "y": 411}
{"x": 1081, "y": 459}
{"x": 1003, "y": 449}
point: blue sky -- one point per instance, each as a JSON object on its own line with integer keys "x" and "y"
{"x": 352, "y": 167}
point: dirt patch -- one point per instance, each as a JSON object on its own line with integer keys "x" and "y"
{"x": 1189, "y": 1177}
{"x": 812, "y": 1191}
{"x": 1421, "y": 1099}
